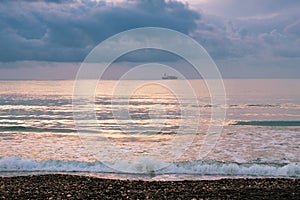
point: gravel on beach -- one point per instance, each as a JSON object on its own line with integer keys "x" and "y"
{"x": 60, "y": 186}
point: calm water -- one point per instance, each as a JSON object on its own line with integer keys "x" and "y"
{"x": 260, "y": 136}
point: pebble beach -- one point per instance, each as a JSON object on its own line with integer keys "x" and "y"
{"x": 60, "y": 186}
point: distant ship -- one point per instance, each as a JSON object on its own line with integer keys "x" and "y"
{"x": 169, "y": 77}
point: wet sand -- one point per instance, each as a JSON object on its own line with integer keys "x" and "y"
{"x": 59, "y": 186}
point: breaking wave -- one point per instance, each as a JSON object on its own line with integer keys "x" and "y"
{"x": 205, "y": 168}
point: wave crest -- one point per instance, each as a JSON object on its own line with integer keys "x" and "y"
{"x": 203, "y": 168}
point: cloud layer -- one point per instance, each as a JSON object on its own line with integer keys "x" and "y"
{"x": 251, "y": 34}
{"x": 65, "y": 31}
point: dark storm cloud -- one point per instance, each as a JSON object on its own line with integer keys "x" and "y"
{"x": 40, "y": 1}
{"x": 66, "y": 30}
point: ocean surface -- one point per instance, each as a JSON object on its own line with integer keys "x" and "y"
{"x": 159, "y": 137}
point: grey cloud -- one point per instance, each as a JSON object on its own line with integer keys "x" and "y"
{"x": 223, "y": 39}
{"x": 52, "y": 30}
{"x": 277, "y": 36}
{"x": 40, "y": 1}
{"x": 238, "y": 29}
{"x": 250, "y": 8}
{"x": 58, "y": 30}
{"x": 294, "y": 28}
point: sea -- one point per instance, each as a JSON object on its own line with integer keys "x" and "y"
{"x": 151, "y": 130}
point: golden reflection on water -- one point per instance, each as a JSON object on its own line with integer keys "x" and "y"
{"x": 154, "y": 108}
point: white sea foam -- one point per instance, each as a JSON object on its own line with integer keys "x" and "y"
{"x": 16, "y": 164}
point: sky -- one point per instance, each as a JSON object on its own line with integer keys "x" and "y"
{"x": 48, "y": 39}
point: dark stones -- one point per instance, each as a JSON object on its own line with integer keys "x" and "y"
{"x": 58, "y": 186}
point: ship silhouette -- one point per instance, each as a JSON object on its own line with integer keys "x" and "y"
{"x": 169, "y": 77}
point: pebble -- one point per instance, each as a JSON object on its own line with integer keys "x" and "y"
{"x": 58, "y": 186}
